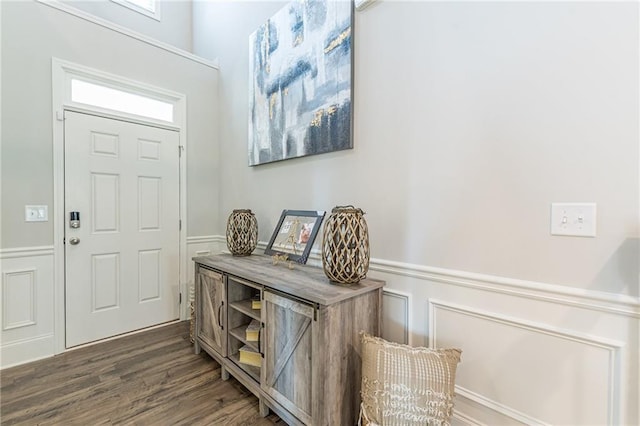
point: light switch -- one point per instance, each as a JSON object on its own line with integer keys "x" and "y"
{"x": 36, "y": 213}
{"x": 573, "y": 219}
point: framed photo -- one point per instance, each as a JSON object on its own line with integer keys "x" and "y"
{"x": 295, "y": 233}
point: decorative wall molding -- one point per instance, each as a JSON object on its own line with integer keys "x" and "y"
{"x": 610, "y": 347}
{"x": 63, "y": 7}
{"x": 564, "y": 295}
{"x": 589, "y": 299}
{"x": 205, "y": 239}
{"x": 389, "y": 297}
{"x": 543, "y": 328}
{"x": 500, "y": 408}
{"x": 203, "y": 246}
{"x": 27, "y": 292}
{"x": 12, "y": 253}
{"x": 12, "y": 281}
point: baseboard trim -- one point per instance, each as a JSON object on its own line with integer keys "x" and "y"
{"x": 37, "y": 348}
{"x": 466, "y": 419}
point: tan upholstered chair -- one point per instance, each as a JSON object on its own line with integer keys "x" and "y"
{"x": 407, "y": 386}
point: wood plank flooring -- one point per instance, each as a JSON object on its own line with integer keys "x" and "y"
{"x": 150, "y": 378}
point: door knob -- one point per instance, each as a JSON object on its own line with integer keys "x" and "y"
{"x": 74, "y": 240}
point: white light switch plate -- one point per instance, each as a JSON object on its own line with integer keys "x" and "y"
{"x": 36, "y": 213}
{"x": 573, "y": 219}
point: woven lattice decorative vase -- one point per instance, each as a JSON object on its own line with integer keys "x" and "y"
{"x": 345, "y": 245}
{"x": 242, "y": 232}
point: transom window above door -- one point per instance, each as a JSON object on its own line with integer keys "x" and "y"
{"x": 95, "y": 94}
{"x": 84, "y": 89}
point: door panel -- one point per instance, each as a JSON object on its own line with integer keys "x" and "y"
{"x": 105, "y": 281}
{"x": 286, "y": 375}
{"x": 211, "y": 315}
{"x": 123, "y": 274}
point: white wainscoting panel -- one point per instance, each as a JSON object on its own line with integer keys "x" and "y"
{"x": 395, "y": 316}
{"x": 532, "y": 353}
{"x": 572, "y": 377}
{"x": 18, "y": 298}
{"x": 27, "y": 305}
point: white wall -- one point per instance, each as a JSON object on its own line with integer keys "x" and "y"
{"x": 471, "y": 118}
{"x": 174, "y": 26}
{"x": 31, "y": 34}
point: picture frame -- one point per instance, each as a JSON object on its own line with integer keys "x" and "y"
{"x": 295, "y": 233}
{"x": 300, "y": 82}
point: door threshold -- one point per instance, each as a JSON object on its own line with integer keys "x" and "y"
{"x": 118, "y": 336}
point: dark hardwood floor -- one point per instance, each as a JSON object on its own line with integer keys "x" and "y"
{"x": 150, "y": 378}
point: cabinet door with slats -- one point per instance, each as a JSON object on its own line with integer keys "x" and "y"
{"x": 286, "y": 373}
{"x": 211, "y": 312}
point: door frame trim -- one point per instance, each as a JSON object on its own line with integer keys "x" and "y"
{"x": 61, "y": 71}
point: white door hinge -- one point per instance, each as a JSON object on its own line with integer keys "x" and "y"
{"x": 60, "y": 115}
{"x": 180, "y": 149}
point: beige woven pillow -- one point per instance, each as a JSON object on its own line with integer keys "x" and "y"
{"x": 402, "y": 385}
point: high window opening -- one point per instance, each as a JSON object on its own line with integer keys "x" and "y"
{"x": 151, "y": 8}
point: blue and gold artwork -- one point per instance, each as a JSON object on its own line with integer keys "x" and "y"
{"x": 300, "y": 72}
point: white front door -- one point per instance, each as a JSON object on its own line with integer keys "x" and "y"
{"x": 122, "y": 262}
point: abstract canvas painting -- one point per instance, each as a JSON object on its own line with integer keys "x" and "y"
{"x": 300, "y": 72}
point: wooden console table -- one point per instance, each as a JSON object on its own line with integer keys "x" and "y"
{"x": 307, "y": 354}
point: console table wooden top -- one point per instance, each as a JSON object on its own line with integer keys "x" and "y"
{"x": 306, "y": 282}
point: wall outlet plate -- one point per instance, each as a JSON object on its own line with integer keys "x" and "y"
{"x": 573, "y": 219}
{"x": 36, "y": 213}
